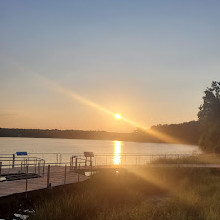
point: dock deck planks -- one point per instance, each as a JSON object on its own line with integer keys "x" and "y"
{"x": 57, "y": 174}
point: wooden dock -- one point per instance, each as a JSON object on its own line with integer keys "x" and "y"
{"x": 47, "y": 175}
{"x": 57, "y": 177}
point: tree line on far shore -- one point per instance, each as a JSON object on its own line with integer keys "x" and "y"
{"x": 205, "y": 132}
{"x": 185, "y": 133}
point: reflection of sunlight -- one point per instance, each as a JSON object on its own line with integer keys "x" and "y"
{"x": 117, "y": 153}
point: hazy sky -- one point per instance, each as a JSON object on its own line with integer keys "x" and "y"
{"x": 148, "y": 60}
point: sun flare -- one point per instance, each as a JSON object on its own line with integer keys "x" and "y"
{"x": 118, "y": 116}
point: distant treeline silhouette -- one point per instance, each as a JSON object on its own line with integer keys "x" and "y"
{"x": 185, "y": 133}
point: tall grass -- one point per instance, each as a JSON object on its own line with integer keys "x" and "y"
{"x": 147, "y": 193}
{"x": 194, "y": 159}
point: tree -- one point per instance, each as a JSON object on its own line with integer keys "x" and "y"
{"x": 209, "y": 119}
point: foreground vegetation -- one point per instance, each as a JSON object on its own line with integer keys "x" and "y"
{"x": 147, "y": 193}
{"x": 205, "y": 159}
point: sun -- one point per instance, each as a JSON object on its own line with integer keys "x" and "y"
{"x": 118, "y": 116}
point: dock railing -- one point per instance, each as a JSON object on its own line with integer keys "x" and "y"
{"x": 37, "y": 171}
{"x": 129, "y": 160}
{"x": 36, "y": 162}
{"x": 10, "y": 163}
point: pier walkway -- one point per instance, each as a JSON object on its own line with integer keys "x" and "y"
{"x": 19, "y": 174}
{"x": 57, "y": 177}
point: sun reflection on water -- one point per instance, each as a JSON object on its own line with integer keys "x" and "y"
{"x": 117, "y": 153}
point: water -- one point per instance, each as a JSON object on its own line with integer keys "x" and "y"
{"x": 61, "y": 150}
{"x": 48, "y": 145}
{"x": 53, "y": 148}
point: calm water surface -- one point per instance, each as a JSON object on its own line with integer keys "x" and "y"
{"x": 68, "y": 147}
{"x": 48, "y": 145}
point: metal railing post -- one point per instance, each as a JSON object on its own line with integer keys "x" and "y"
{"x": 0, "y": 168}
{"x": 43, "y": 167}
{"x": 57, "y": 158}
{"x": 178, "y": 160}
{"x": 86, "y": 162}
{"x": 90, "y": 161}
{"x": 71, "y": 163}
{"x": 60, "y": 159}
{"x": 48, "y": 176}
{"x": 13, "y": 161}
{"x": 26, "y": 163}
{"x": 39, "y": 165}
{"x": 65, "y": 175}
{"x": 76, "y": 163}
{"x": 91, "y": 164}
{"x": 35, "y": 166}
{"x": 26, "y": 183}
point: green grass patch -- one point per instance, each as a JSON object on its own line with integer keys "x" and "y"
{"x": 147, "y": 193}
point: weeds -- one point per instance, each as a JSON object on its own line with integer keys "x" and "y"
{"x": 147, "y": 193}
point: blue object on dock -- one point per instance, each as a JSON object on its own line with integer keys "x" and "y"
{"x": 21, "y": 153}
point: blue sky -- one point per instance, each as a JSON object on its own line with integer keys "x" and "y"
{"x": 148, "y": 60}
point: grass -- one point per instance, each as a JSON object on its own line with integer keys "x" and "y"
{"x": 194, "y": 159}
{"x": 146, "y": 193}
